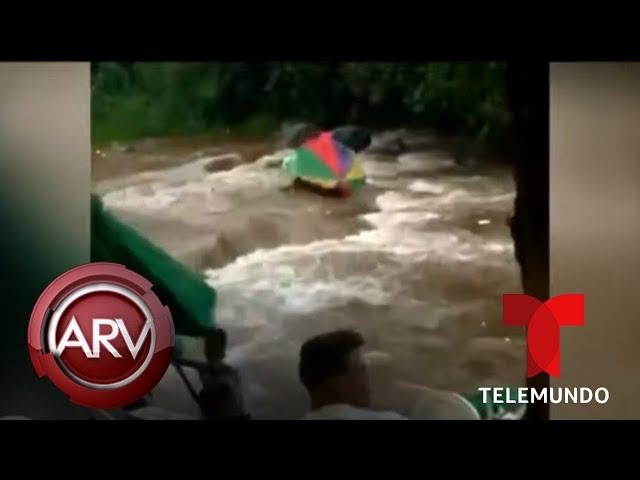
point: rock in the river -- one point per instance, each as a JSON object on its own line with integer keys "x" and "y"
{"x": 421, "y": 138}
{"x": 394, "y": 142}
{"x": 220, "y": 163}
{"x": 207, "y": 152}
{"x": 388, "y": 142}
{"x": 293, "y": 135}
{"x": 430, "y": 161}
{"x": 354, "y": 137}
{"x": 122, "y": 148}
{"x": 273, "y": 160}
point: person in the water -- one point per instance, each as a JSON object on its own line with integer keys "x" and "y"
{"x": 333, "y": 371}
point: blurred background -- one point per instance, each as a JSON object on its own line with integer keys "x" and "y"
{"x": 142, "y": 99}
{"x": 45, "y": 171}
{"x": 595, "y": 229}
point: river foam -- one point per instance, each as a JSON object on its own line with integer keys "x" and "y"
{"x": 417, "y": 262}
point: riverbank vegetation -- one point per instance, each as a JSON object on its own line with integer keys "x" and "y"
{"x": 139, "y": 99}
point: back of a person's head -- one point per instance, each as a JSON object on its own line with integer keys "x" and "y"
{"x": 324, "y": 356}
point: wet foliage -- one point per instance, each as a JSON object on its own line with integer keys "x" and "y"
{"x": 139, "y": 99}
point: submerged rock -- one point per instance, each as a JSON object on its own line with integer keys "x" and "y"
{"x": 220, "y": 163}
{"x": 395, "y": 142}
{"x": 207, "y": 152}
{"x": 430, "y": 161}
{"x": 387, "y": 142}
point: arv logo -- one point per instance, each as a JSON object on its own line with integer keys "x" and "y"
{"x": 116, "y": 326}
{"x": 101, "y": 335}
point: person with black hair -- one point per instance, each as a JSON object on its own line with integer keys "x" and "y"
{"x": 333, "y": 371}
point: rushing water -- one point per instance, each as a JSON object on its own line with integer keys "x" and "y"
{"x": 417, "y": 262}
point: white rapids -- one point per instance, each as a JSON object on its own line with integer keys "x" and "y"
{"x": 417, "y": 262}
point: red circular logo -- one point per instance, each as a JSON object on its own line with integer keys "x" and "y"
{"x": 101, "y": 335}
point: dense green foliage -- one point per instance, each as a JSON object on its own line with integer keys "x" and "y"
{"x": 132, "y": 100}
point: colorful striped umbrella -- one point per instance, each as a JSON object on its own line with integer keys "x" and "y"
{"x": 325, "y": 162}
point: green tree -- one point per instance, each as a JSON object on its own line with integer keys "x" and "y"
{"x": 147, "y": 99}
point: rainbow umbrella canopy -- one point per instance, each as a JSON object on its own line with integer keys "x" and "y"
{"x": 326, "y": 163}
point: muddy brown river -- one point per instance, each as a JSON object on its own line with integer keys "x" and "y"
{"x": 417, "y": 262}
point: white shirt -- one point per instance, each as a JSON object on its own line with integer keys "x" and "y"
{"x": 442, "y": 405}
{"x": 432, "y": 405}
{"x": 342, "y": 411}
